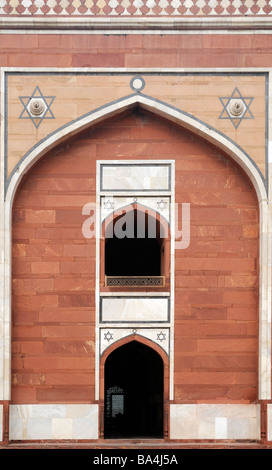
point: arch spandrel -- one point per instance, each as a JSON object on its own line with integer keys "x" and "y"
{"x": 159, "y": 108}
{"x": 74, "y": 95}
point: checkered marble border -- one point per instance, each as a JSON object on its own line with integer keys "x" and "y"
{"x": 178, "y": 8}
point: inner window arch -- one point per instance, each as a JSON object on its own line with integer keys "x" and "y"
{"x": 135, "y": 248}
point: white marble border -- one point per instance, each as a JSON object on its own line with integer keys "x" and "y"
{"x": 170, "y": 320}
{"x": 136, "y": 25}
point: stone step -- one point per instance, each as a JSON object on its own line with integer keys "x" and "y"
{"x": 137, "y": 444}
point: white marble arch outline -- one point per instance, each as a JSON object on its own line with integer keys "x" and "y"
{"x": 185, "y": 121}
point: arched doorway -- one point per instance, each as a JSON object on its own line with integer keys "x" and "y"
{"x": 133, "y": 392}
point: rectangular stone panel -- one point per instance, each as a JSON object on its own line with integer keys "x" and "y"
{"x": 215, "y": 421}
{"x": 135, "y": 310}
{"x": 131, "y": 177}
{"x": 53, "y": 421}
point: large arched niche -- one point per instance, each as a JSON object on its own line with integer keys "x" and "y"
{"x": 95, "y": 118}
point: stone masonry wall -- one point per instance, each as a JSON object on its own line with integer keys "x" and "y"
{"x": 216, "y": 298}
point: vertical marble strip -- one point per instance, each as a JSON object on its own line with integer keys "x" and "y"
{"x": 97, "y": 281}
{"x": 172, "y": 280}
{"x": 1, "y": 423}
{"x": 2, "y": 250}
{"x": 265, "y": 303}
{"x": 265, "y": 273}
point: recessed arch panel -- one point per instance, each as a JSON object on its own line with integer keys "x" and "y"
{"x": 184, "y": 120}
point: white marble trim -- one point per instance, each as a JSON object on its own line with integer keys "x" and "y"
{"x": 175, "y": 25}
{"x": 169, "y": 318}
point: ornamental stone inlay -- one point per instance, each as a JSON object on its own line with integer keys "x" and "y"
{"x": 109, "y": 205}
{"x": 137, "y": 83}
{"x": 161, "y": 205}
{"x": 161, "y": 336}
{"x": 236, "y": 107}
{"x": 108, "y": 336}
{"x": 37, "y": 107}
{"x": 177, "y": 8}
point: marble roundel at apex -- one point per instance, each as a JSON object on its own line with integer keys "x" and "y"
{"x": 234, "y": 104}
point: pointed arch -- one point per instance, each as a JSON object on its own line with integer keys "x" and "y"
{"x": 197, "y": 127}
{"x": 147, "y": 342}
{"x": 141, "y": 208}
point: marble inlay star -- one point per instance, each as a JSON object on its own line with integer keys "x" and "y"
{"x": 108, "y": 205}
{"x": 161, "y": 205}
{"x": 108, "y": 336}
{"x": 46, "y": 102}
{"x": 242, "y": 102}
{"x": 161, "y": 336}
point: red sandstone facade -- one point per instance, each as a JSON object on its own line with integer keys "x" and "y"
{"x": 218, "y": 286}
{"x": 216, "y": 301}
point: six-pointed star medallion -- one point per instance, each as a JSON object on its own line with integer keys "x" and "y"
{"x": 37, "y": 107}
{"x": 236, "y": 107}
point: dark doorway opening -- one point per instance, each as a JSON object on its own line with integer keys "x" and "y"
{"x": 133, "y": 393}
